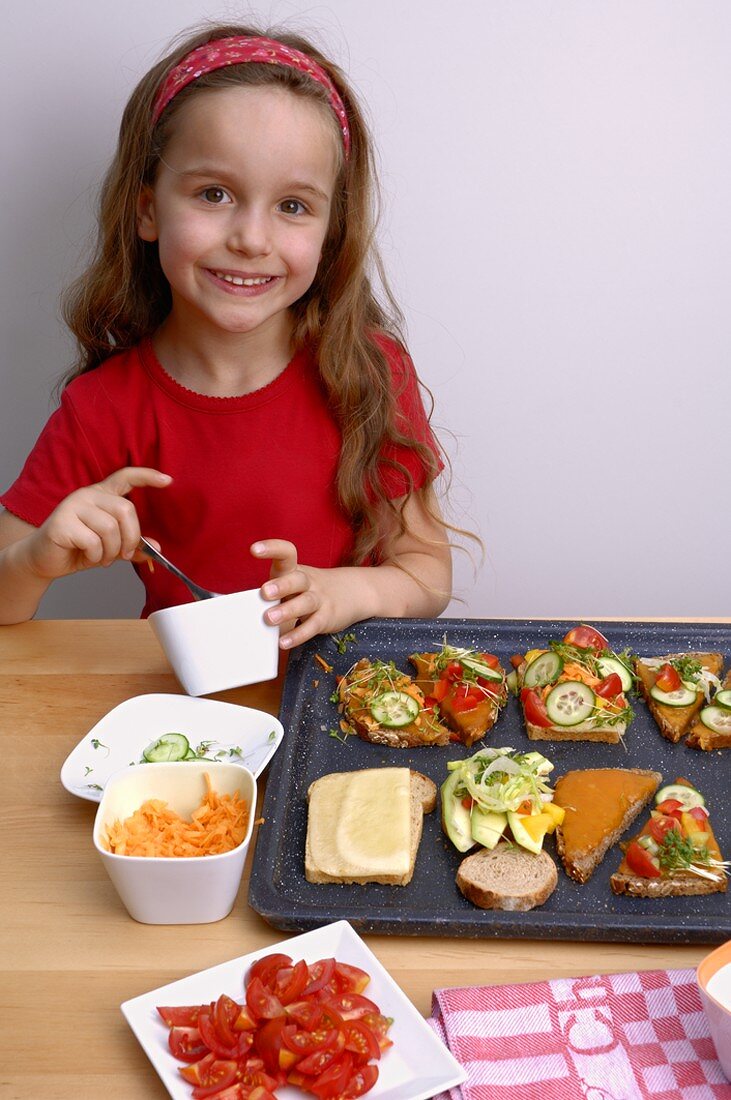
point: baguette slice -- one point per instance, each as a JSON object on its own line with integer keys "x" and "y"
{"x": 675, "y": 722}
{"x": 507, "y": 877}
{"x": 371, "y": 862}
{"x": 701, "y": 737}
{"x": 600, "y": 804}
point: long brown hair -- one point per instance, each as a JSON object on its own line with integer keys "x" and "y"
{"x": 124, "y": 297}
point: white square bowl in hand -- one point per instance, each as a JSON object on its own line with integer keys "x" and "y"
{"x": 221, "y": 643}
{"x": 174, "y": 889}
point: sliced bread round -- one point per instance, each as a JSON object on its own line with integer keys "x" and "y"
{"x": 507, "y": 877}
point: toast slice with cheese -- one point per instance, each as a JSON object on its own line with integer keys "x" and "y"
{"x": 366, "y": 826}
{"x": 676, "y": 687}
{"x": 600, "y": 804}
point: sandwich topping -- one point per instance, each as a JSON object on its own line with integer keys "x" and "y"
{"x": 677, "y": 839}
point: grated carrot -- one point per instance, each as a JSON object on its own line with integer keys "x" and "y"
{"x": 217, "y": 825}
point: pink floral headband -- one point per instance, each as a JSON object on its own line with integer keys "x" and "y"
{"x": 234, "y": 51}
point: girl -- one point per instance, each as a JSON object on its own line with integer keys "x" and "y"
{"x": 240, "y": 396}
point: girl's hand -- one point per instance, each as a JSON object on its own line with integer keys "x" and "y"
{"x": 311, "y": 600}
{"x": 95, "y": 525}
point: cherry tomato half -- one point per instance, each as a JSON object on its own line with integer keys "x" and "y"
{"x": 660, "y": 824}
{"x": 586, "y": 637}
{"x": 640, "y": 861}
{"x": 668, "y": 678}
{"x": 186, "y": 1044}
{"x": 609, "y": 687}
{"x": 534, "y": 708}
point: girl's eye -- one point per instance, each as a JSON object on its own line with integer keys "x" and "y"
{"x": 292, "y": 206}
{"x": 215, "y": 195}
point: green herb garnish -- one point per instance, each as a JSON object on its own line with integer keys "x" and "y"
{"x": 343, "y": 640}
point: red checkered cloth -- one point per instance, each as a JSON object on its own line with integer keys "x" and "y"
{"x": 640, "y": 1036}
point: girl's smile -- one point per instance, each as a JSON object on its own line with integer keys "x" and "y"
{"x": 240, "y": 210}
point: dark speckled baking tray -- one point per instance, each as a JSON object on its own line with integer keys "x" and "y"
{"x": 431, "y": 903}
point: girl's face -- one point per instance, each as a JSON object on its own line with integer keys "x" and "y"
{"x": 240, "y": 207}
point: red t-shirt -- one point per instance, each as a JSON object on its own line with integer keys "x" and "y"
{"x": 259, "y": 466}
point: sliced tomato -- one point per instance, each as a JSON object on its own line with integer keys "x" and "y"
{"x": 379, "y": 1025}
{"x": 454, "y": 672}
{"x": 661, "y": 824}
{"x": 266, "y": 967}
{"x": 360, "y": 1083}
{"x": 352, "y": 1006}
{"x": 586, "y": 637}
{"x": 534, "y": 708}
{"x": 350, "y": 979}
{"x": 219, "y": 1075}
{"x": 517, "y": 660}
{"x": 268, "y": 1042}
{"x": 668, "y": 678}
{"x": 289, "y": 983}
{"x": 671, "y": 807}
{"x": 225, "y": 1014}
{"x": 464, "y": 697}
{"x": 196, "y": 1072}
{"x": 489, "y": 659}
{"x": 334, "y": 1080}
{"x": 640, "y": 861}
{"x": 180, "y": 1015}
{"x": 186, "y": 1044}
{"x": 314, "y": 1064}
{"x": 261, "y": 1002}
{"x": 361, "y": 1042}
{"x": 244, "y": 1021}
{"x": 320, "y": 973}
{"x": 214, "y": 1042}
{"x": 259, "y": 1092}
{"x": 306, "y": 1014}
{"x": 609, "y": 687}
{"x": 700, "y": 813}
{"x": 441, "y": 688}
{"x": 307, "y": 1042}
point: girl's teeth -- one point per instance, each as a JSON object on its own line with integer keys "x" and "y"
{"x": 238, "y": 281}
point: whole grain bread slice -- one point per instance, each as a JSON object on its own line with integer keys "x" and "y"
{"x": 507, "y": 877}
{"x": 423, "y": 795}
{"x": 585, "y": 731}
{"x": 600, "y": 805}
{"x": 674, "y": 722}
{"x": 701, "y": 737}
{"x": 680, "y": 885}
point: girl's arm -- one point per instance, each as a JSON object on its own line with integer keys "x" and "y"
{"x": 93, "y": 526}
{"x": 416, "y": 582}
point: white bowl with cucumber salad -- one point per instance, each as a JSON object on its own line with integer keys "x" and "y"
{"x": 160, "y": 727}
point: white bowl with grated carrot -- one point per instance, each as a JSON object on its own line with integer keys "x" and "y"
{"x": 174, "y": 837}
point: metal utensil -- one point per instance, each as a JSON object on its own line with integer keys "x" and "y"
{"x": 198, "y": 592}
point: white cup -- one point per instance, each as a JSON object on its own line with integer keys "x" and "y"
{"x": 714, "y": 984}
{"x": 221, "y": 643}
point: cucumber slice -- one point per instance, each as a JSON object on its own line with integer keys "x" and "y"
{"x": 395, "y": 709}
{"x": 512, "y": 681}
{"x": 171, "y": 746}
{"x": 681, "y": 697}
{"x": 570, "y": 703}
{"x": 687, "y": 796}
{"x": 716, "y": 718}
{"x": 723, "y": 698}
{"x": 544, "y": 669}
{"x": 608, "y": 665}
{"x": 480, "y": 668}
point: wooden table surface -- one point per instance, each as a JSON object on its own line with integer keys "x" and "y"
{"x": 71, "y": 954}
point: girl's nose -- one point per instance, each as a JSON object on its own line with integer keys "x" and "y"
{"x": 250, "y": 234}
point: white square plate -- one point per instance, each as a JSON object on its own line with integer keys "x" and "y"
{"x": 416, "y": 1067}
{"x": 239, "y": 735}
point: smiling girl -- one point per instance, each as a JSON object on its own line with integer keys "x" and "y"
{"x": 240, "y": 395}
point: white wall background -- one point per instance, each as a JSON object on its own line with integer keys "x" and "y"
{"x": 557, "y": 227}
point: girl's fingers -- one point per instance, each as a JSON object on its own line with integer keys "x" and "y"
{"x": 283, "y": 555}
{"x": 106, "y": 526}
{"x": 81, "y": 538}
{"x": 125, "y": 480}
{"x": 289, "y": 584}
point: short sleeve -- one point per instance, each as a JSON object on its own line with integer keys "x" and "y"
{"x": 62, "y": 460}
{"x": 402, "y": 467}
